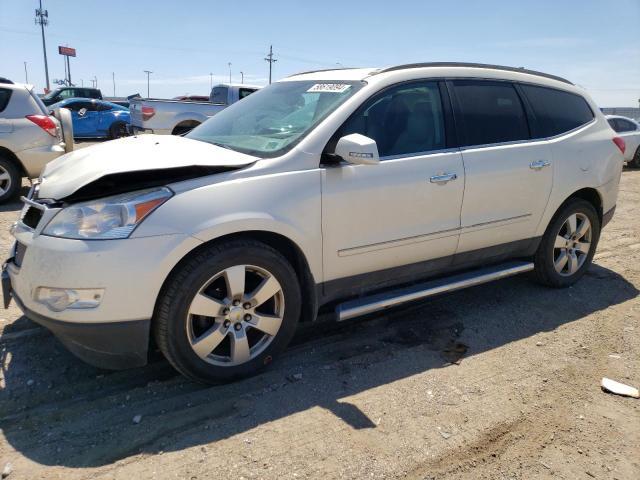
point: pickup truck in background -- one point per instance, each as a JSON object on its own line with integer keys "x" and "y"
{"x": 177, "y": 117}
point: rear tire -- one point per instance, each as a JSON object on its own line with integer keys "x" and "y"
{"x": 10, "y": 179}
{"x": 568, "y": 245}
{"x": 227, "y": 311}
{"x": 635, "y": 162}
{"x": 117, "y": 130}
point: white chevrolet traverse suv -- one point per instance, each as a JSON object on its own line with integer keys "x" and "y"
{"x": 348, "y": 190}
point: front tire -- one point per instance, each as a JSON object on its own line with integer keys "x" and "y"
{"x": 568, "y": 245}
{"x": 227, "y": 311}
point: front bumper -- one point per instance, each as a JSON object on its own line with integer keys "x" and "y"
{"x": 113, "y": 346}
{"x": 115, "y": 333}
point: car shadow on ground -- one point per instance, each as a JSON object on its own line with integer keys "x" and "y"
{"x": 55, "y": 410}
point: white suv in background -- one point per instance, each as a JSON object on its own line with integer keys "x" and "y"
{"x": 629, "y": 131}
{"x": 29, "y": 136}
{"x": 348, "y": 190}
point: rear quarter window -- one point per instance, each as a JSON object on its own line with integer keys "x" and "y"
{"x": 556, "y": 111}
{"x": 5, "y": 95}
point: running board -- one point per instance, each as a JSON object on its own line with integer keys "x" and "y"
{"x": 381, "y": 301}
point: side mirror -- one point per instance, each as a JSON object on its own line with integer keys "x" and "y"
{"x": 82, "y": 112}
{"x": 358, "y": 149}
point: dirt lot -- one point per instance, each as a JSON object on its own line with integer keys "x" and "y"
{"x": 382, "y": 398}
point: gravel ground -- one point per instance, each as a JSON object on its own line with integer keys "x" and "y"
{"x": 498, "y": 381}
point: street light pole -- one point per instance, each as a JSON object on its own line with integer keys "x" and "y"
{"x": 113, "y": 78}
{"x": 26, "y": 75}
{"x": 241, "y": 77}
{"x": 210, "y": 81}
{"x": 148, "y": 72}
{"x": 42, "y": 19}
{"x": 229, "y": 72}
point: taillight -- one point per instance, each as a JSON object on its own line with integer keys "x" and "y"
{"x": 147, "y": 112}
{"x": 620, "y": 144}
{"x": 45, "y": 122}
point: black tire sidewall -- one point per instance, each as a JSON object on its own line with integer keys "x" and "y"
{"x": 180, "y": 352}
{"x": 544, "y": 257}
{"x": 114, "y": 130}
{"x": 16, "y": 179}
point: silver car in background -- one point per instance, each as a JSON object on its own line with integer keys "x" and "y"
{"x": 30, "y": 137}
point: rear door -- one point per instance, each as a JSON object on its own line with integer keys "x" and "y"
{"x": 508, "y": 176}
{"x": 402, "y": 211}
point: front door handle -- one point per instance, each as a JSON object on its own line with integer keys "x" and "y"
{"x": 443, "y": 178}
{"x": 539, "y": 164}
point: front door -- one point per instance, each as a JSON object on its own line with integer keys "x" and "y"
{"x": 404, "y": 211}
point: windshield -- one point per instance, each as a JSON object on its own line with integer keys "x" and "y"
{"x": 272, "y": 120}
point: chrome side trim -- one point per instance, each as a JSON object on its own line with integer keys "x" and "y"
{"x": 381, "y": 301}
{"x": 401, "y": 242}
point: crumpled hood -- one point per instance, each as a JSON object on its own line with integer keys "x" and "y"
{"x": 143, "y": 154}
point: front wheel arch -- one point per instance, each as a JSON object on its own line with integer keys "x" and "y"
{"x": 283, "y": 245}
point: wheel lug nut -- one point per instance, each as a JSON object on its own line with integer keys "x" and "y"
{"x": 247, "y": 317}
{"x": 236, "y": 303}
{"x": 226, "y": 323}
{"x": 237, "y": 326}
{"x": 225, "y": 311}
{"x": 247, "y": 306}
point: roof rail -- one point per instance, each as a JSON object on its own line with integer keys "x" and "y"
{"x": 475, "y": 65}
{"x": 322, "y": 70}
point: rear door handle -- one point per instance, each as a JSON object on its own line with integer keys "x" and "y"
{"x": 443, "y": 178}
{"x": 539, "y": 164}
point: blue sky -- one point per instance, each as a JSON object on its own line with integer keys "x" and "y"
{"x": 595, "y": 44}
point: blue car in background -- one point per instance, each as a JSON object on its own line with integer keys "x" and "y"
{"x": 96, "y": 118}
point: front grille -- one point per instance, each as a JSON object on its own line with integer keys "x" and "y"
{"x": 20, "y": 251}
{"x": 32, "y": 217}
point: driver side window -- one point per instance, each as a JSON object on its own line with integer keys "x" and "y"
{"x": 403, "y": 120}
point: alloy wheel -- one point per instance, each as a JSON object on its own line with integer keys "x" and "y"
{"x": 5, "y": 181}
{"x": 235, "y": 315}
{"x": 572, "y": 245}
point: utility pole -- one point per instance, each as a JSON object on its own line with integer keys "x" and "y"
{"x": 229, "y": 72}
{"x": 210, "y": 81}
{"x": 26, "y": 75}
{"x": 81, "y": 82}
{"x": 42, "y": 19}
{"x": 148, "y": 72}
{"x": 66, "y": 75}
{"x": 113, "y": 78}
{"x": 95, "y": 82}
{"x": 271, "y": 61}
{"x": 241, "y": 77}
{"x": 68, "y": 70}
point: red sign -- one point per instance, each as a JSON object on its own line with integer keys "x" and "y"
{"x": 68, "y": 51}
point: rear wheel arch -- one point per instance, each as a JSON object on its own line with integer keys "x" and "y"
{"x": 592, "y": 196}
{"x": 185, "y": 126}
{"x": 10, "y": 156}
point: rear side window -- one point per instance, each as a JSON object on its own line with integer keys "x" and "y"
{"x": 556, "y": 111}
{"x": 245, "y": 92}
{"x": 219, "y": 95}
{"x": 624, "y": 125}
{"x": 5, "y": 95}
{"x": 491, "y": 112}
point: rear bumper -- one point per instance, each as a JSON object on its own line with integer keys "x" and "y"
{"x": 133, "y": 130}
{"x": 34, "y": 159}
{"x": 113, "y": 346}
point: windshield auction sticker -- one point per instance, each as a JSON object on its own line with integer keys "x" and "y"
{"x": 330, "y": 88}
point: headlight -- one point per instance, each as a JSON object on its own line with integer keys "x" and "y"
{"x": 107, "y": 218}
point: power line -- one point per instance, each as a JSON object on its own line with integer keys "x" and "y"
{"x": 42, "y": 19}
{"x": 269, "y": 58}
